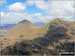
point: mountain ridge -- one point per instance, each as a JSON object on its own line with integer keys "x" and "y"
{"x": 50, "y": 35}
{"x": 25, "y": 26}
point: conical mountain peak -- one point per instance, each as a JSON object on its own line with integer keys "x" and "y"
{"x": 55, "y": 22}
{"x": 57, "y": 19}
{"x": 25, "y": 21}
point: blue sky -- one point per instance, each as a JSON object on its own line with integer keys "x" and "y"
{"x": 30, "y": 9}
{"x": 9, "y": 2}
{"x": 36, "y": 11}
{"x": 33, "y": 9}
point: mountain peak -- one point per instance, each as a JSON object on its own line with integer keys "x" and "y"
{"x": 25, "y": 21}
{"x": 57, "y": 19}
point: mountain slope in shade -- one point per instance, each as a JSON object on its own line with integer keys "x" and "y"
{"x": 53, "y": 35}
{"x": 26, "y": 48}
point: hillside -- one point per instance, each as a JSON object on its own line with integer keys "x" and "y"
{"x": 55, "y": 35}
{"x": 25, "y": 28}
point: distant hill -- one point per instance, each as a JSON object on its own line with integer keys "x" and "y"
{"x": 6, "y": 26}
{"x": 57, "y": 35}
{"x": 38, "y": 23}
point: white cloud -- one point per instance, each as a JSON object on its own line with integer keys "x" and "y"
{"x": 39, "y": 4}
{"x": 17, "y": 7}
{"x": 38, "y": 17}
{"x": 55, "y": 8}
{"x": 60, "y": 9}
{"x": 14, "y": 17}
{"x": 37, "y": 14}
{"x": 2, "y": 14}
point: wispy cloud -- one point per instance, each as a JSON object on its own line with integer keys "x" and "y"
{"x": 17, "y": 7}
{"x": 55, "y": 8}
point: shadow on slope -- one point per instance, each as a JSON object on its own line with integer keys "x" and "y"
{"x": 25, "y": 47}
{"x": 56, "y": 35}
{"x": 53, "y": 35}
{"x": 39, "y": 45}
